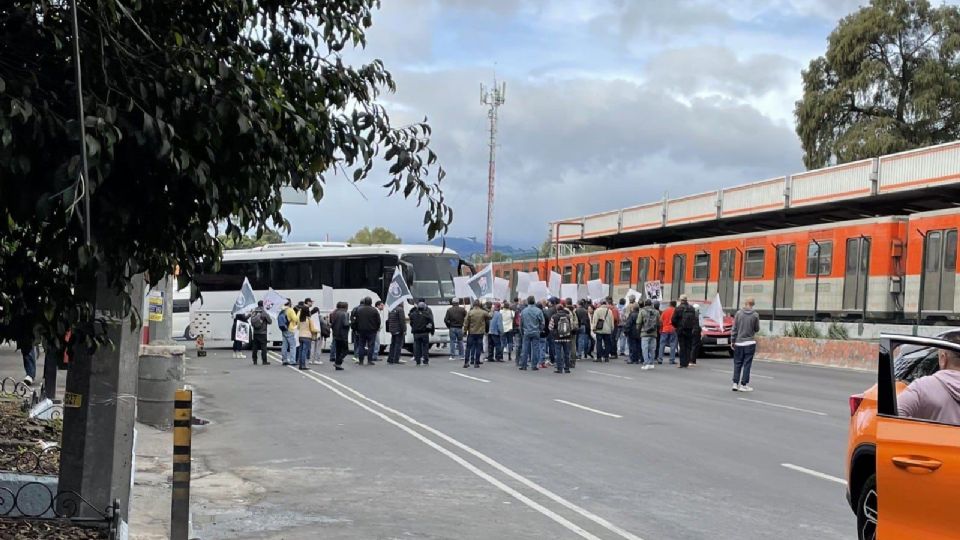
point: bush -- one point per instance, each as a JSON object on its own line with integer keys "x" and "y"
{"x": 803, "y": 329}
{"x": 838, "y": 331}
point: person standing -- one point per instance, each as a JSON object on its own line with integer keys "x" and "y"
{"x": 454, "y": 321}
{"x": 366, "y": 327}
{"x": 531, "y": 324}
{"x": 603, "y": 325}
{"x": 260, "y": 322}
{"x": 495, "y": 335}
{"x": 615, "y": 333}
{"x": 668, "y": 333}
{"x": 29, "y": 353}
{"x": 421, "y": 325}
{"x": 308, "y": 332}
{"x": 574, "y": 338}
{"x": 746, "y": 324}
{"x": 649, "y": 330}
{"x": 561, "y": 328}
{"x": 397, "y": 328}
{"x": 340, "y": 329}
{"x": 381, "y": 309}
{"x": 321, "y": 338}
{"x": 475, "y": 326}
{"x": 583, "y": 333}
{"x": 631, "y": 330}
{"x": 548, "y": 314}
{"x": 237, "y": 344}
{"x": 656, "y": 306}
{"x": 623, "y": 311}
{"x": 507, "y": 316}
{"x": 685, "y": 321}
{"x": 289, "y": 322}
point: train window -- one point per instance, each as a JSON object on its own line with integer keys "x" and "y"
{"x": 701, "y": 266}
{"x": 679, "y": 276}
{"x": 608, "y": 273}
{"x": 626, "y": 271}
{"x": 594, "y": 270}
{"x": 643, "y": 272}
{"x": 825, "y": 250}
{"x": 568, "y": 274}
{"x": 753, "y": 263}
{"x": 580, "y": 274}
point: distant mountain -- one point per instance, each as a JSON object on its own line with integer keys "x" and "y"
{"x": 467, "y": 247}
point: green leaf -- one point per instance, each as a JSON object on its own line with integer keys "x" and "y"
{"x": 7, "y": 137}
{"x": 178, "y": 39}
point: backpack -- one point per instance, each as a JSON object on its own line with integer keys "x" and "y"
{"x": 564, "y": 326}
{"x": 283, "y": 321}
{"x": 689, "y": 319}
{"x": 650, "y": 320}
{"x": 258, "y": 323}
{"x": 324, "y": 328}
{"x": 601, "y": 322}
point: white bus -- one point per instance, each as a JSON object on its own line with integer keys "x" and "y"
{"x": 301, "y": 270}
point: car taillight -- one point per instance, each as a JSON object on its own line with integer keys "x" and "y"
{"x": 855, "y": 401}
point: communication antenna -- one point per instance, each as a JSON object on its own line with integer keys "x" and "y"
{"x": 493, "y": 98}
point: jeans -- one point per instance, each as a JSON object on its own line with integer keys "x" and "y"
{"x": 475, "y": 349}
{"x": 614, "y": 338}
{"x": 365, "y": 341}
{"x": 421, "y": 348}
{"x": 583, "y": 343}
{"x": 669, "y": 339}
{"x": 742, "y": 362}
{"x": 635, "y": 352}
{"x": 376, "y": 346}
{"x": 456, "y": 343}
{"x": 604, "y": 346}
{"x": 543, "y": 349}
{"x": 649, "y": 346}
{"x": 396, "y": 347}
{"x": 494, "y": 347}
{"x": 506, "y": 342}
{"x": 550, "y": 344}
{"x": 531, "y": 351}
{"x": 562, "y": 355}
{"x": 333, "y": 350}
{"x": 289, "y": 348}
{"x": 30, "y": 362}
{"x": 687, "y": 342}
{"x": 623, "y": 342}
{"x": 303, "y": 352}
{"x": 259, "y": 343}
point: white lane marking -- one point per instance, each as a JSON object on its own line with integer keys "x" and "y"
{"x": 460, "y": 461}
{"x": 468, "y": 377}
{"x": 610, "y": 375}
{"x": 767, "y": 403}
{"x": 493, "y": 463}
{"x": 752, "y": 375}
{"x": 812, "y": 472}
{"x": 572, "y": 404}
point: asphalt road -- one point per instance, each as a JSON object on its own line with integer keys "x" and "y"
{"x": 606, "y": 452}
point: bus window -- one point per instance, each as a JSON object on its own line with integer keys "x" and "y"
{"x": 433, "y": 276}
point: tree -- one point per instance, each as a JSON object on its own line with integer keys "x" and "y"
{"x": 890, "y": 81}
{"x": 197, "y": 114}
{"x": 378, "y": 235}
{"x": 248, "y": 241}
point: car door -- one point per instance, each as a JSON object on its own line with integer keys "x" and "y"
{"x": 918, "y": 471}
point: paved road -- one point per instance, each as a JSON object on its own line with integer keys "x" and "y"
{"x": 607, "y": 452}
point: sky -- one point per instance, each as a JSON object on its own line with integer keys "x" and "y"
{"x": 609, "y": 104}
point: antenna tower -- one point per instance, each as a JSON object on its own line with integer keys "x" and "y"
{"x": 493, "y": 98}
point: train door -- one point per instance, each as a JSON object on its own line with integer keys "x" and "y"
{"x": 643, "y": 274}
{"x": 939, "y": 270}
{"x": 725, "y": 285}
{"x": 784, "y": 275}
{"x": 608, "y": 275}
{"x": 679, "y": 274}
{"x": 856, "y": 272}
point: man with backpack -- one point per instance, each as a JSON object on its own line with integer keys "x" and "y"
{"x": 260, "y": 321}
{"x": 421, "y": 324}
{"x": 561, "y": 329}
{"x": 603, "y": 325}
{"x": 531, "y": 324}
{"x": 686, "y": 322}
{"x": 583, "y": 333}
{"x": 649, "y": 323}
{"x": 288, "y": 322}
{"x": 631, "y": 330}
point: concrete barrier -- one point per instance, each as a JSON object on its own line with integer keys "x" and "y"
{"x": 160, "y": 374}
{"x": 850, "y": 354}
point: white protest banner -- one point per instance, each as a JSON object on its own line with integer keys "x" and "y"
{"x": 636, "y": 296}
{"x": 326, "y": 298}
{"x": 501, "y": 288}
{"x": 715, "y": 311}
{"x": 539, "y": 291}
{"x": 398, "y": 291}
{"x": 273, "y": 302}
{"x": 654, "y": 290}
{"x": 461, "y": 288}
{"x": 595, "y": 288}
{"x": 242, "y": 334}
{"x": 523, "y": 283}
{"x": 583, "y": 293}
{"x": 569, "y": 290}
{"x": 245, "y": 301}
{"x": 482, "y": 283}
{"x": 555, "y": 281}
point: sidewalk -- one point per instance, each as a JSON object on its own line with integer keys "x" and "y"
{"x": 150, "y": 497}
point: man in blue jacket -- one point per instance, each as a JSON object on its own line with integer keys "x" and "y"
{"x": 495, "y": 336}
{"x": 532, "y": 322}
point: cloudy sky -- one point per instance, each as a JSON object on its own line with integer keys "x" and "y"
{"x": 610, "y": 103}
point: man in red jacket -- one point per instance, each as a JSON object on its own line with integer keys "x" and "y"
{"x": 668, "y": 334}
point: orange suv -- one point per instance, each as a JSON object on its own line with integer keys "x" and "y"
{"x": 903, "y": 474}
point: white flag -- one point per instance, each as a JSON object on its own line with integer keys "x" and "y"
{"x": 482, "y": 283}
{"x": 245, "y": 301}
{"x": 398, "y": 292}
{"x": 273, "y": 302}
{"x": 460, "y": 287}
{"x": 715, "y": 311}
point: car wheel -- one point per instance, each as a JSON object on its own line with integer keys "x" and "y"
{"x": 188, "y": 335}
{"x": 867, "y": 510}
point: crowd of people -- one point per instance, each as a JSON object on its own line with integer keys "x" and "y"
{"x": 533, "y": 334}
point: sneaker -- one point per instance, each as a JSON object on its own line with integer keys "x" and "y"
{"x": 266, "y": 363}
{"x": 745, "y": 388}
{"x": 400, "y": 362}
{"x": 451, "y": 358}
{"x": 338, "y": 368}
{"x": 466, "y": 366}
{"x": 28, "y": 380}
{"x": 735, "y": 387}
{"x": 426, "y": 362}
{"x": 566, "y": 371}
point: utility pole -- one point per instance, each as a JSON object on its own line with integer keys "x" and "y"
{"x": 493, "y": 98}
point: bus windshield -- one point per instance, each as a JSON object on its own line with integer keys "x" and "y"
{"x": 433, "y": 276}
